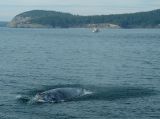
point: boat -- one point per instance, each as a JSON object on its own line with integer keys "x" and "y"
{"x": 95, "y": 30}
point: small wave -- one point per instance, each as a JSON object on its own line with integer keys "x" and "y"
{"x": 87, "y": 92}
{"x": 23, "y": 98}
{"x": 116, "y": 93}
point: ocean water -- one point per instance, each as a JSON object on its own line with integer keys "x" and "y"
{"x": 121, "y": 67}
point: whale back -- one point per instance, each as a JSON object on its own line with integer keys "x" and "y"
{"x": 59, "y": 94}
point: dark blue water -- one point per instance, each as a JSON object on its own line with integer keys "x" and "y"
{"x": 121, "y": 67}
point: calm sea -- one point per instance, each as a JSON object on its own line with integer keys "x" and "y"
{"x": 121, "y": 67}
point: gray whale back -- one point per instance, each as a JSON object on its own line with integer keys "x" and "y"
{"x": 60, "y": 94}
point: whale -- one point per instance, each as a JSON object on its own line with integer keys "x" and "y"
{"x": 59, "y": 95}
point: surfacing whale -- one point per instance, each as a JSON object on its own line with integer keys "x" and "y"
{"x": 60, "y": 95}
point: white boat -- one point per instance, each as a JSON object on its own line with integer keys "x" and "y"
{"x": 95, "y": 30}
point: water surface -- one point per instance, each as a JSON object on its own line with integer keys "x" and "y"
{"x": 121, "y": 66}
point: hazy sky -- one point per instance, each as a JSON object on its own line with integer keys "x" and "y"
{"x": 10, "y": 8}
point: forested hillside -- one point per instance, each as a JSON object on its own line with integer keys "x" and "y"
{"x": 53, "y": 19}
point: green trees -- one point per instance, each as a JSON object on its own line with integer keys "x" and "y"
{"x": 58, "y": 19}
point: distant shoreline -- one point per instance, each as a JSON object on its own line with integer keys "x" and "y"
{"x": 3, "y": 24}
{"x": 53, "y": 19}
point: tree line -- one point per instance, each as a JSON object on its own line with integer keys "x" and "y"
{"x": 59, "y": 19}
